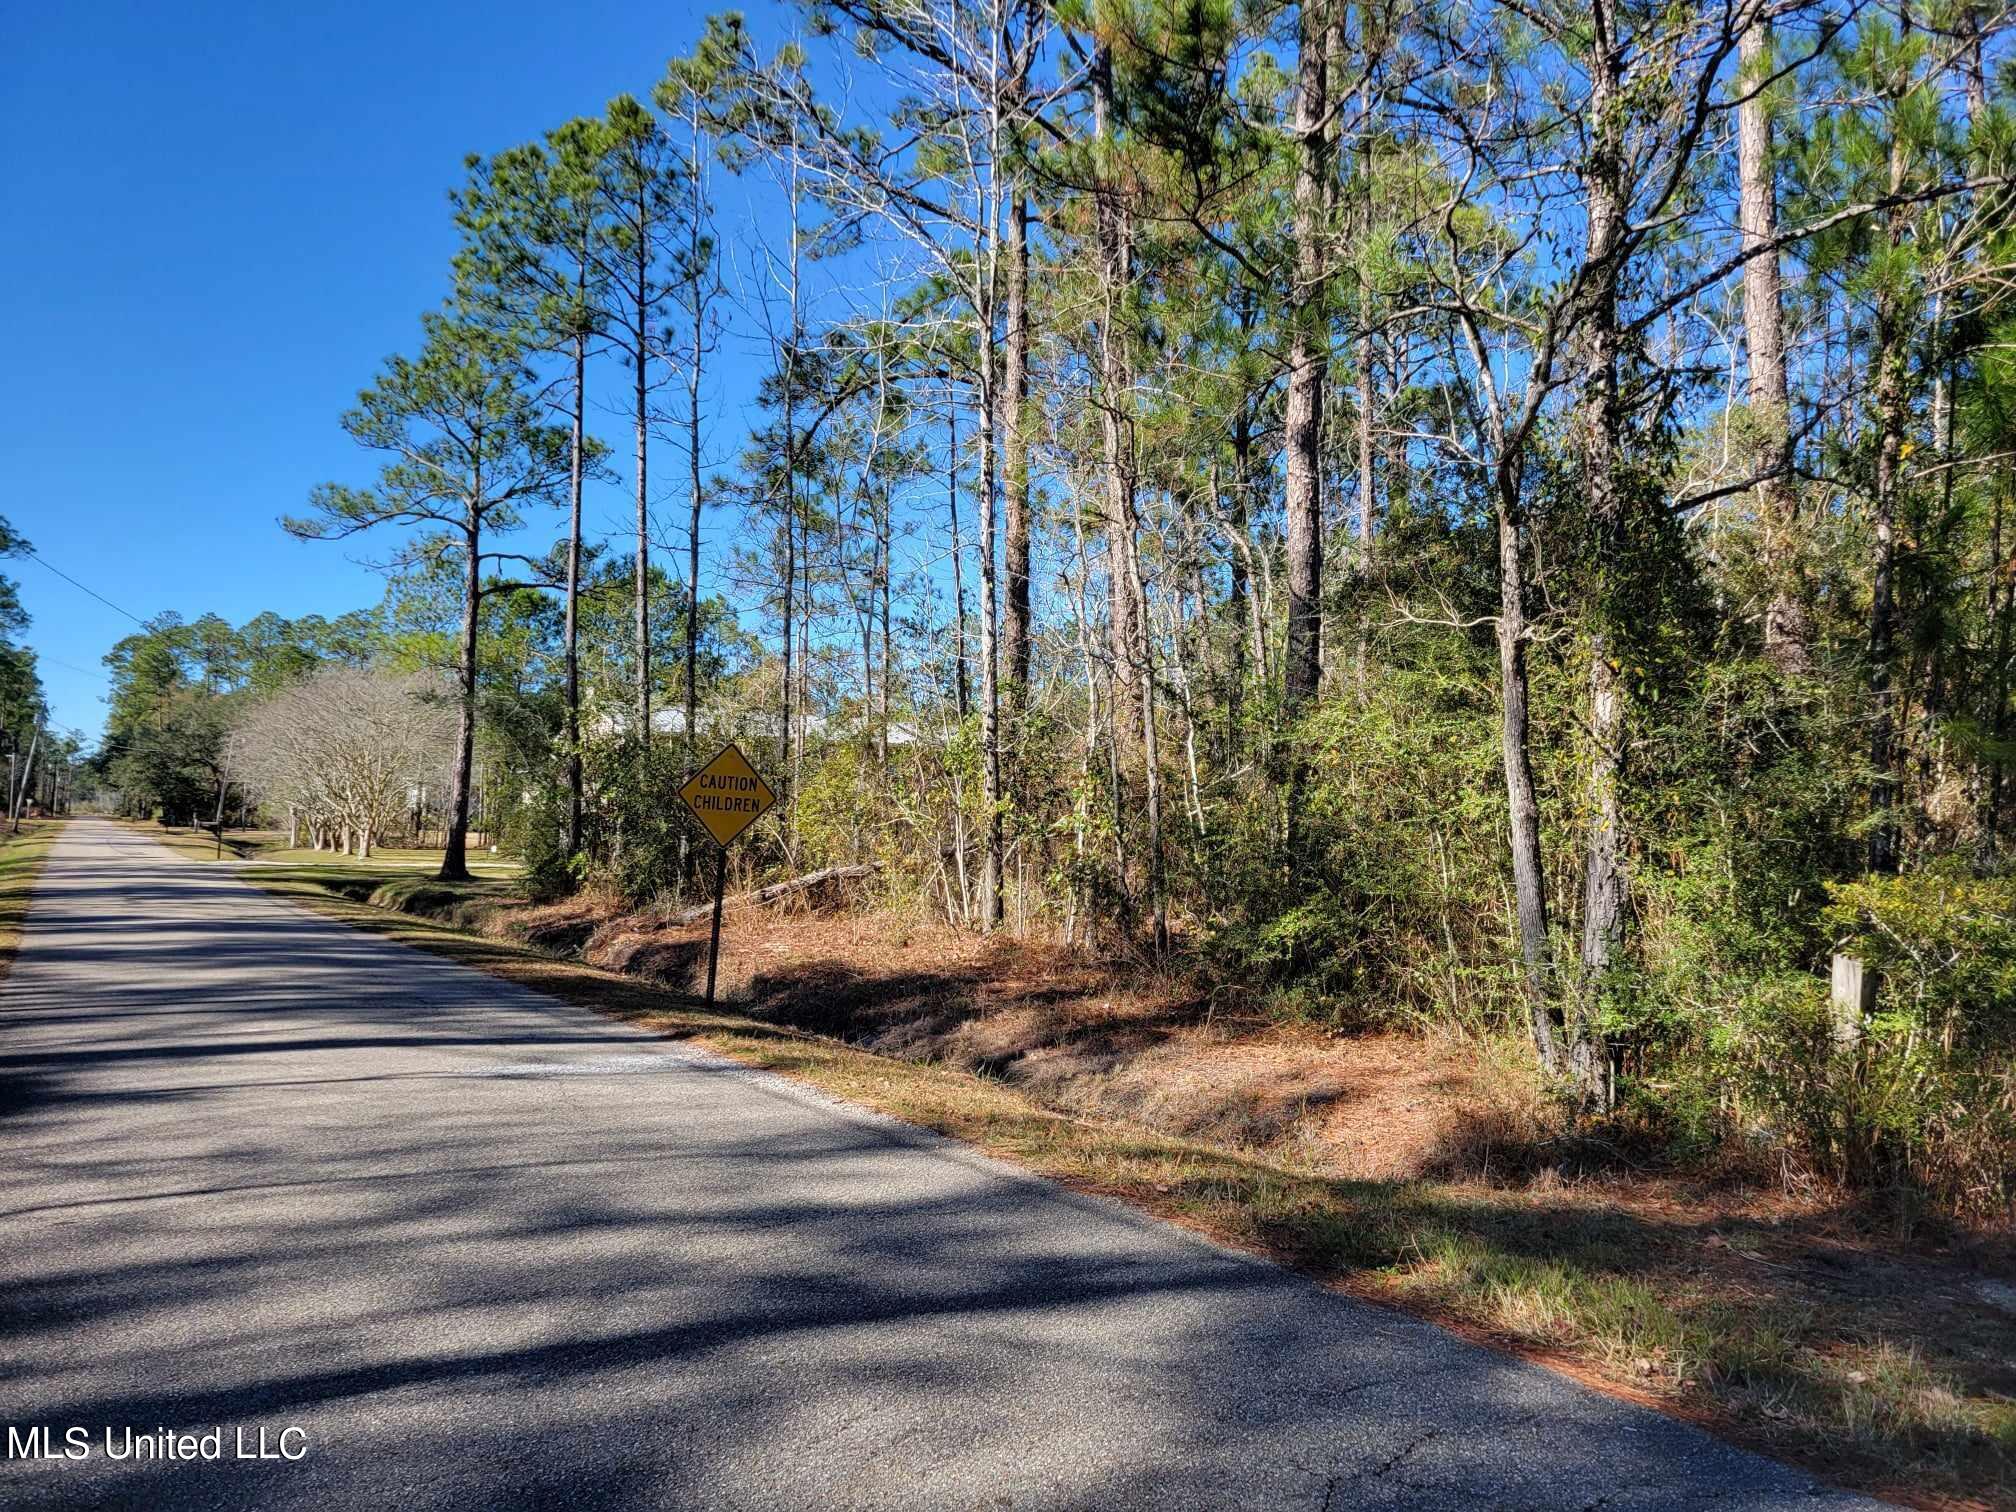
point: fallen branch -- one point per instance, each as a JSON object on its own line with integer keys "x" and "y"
{"x": 778, "y": 890}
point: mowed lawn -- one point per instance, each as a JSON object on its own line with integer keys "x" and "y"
{"x": 269, "y": 847}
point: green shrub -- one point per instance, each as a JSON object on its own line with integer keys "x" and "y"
{"x": 1931, "y": 1083}
{"x": 1398, "y": 906}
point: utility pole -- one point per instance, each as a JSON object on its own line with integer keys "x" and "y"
{"x": 27, "y": 771}
{"x": 223, "y": 787}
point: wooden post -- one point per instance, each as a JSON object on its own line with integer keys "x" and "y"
{"x": 1854, "y": 999}
{"x": 714, "y": 939}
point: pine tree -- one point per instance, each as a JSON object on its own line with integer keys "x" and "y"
{"x": 469, "y": 451}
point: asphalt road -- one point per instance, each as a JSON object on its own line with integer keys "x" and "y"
{"x": 485, "y": 1250}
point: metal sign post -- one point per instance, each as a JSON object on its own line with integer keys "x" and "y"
{"x": 714, "y": 939}
{"x": 726, "y": 796}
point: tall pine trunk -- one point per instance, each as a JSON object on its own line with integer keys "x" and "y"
{"x": 455, "y": 845}
{"x": 883, "y": 593}
{"x": 1788, "y": 632}
{"x": 992, "y": 878}
{"x": 642, "y": 606}
{"x": 961, "y": 688}
{"x": 1015, "y": 460}
{"x": 1891, "y": 355}
{"x": 695, "y": 495}
{"x": 790, "y": 582}
{"x": 1367, "y": 475}
{"x": 1308, "y": 362}
{"x": 1134, "y": 672}
{"x": 1368, "y": 482}
{"x": 1137, "y": 590}
{"x": 802, "y": 700}
{"x": 1603, "y": 879}
{"x": 1123, "y": 628}
{"x": 575, "y": 465}
{"x": 784, "y": 744}
{"x": 1972, "y": 63}
{"x": 1238, "y": 598}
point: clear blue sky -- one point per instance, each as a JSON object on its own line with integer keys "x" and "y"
{"x": 221, "y": 218}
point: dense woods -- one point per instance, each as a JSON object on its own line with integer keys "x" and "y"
{"x": 1477, "y": 514}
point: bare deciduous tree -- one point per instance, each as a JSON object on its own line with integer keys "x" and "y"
{"x": 341, "y": 751}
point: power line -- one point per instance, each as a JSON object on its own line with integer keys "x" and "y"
{"x": 57, "y": 661}
{"x": 92, "y": 591}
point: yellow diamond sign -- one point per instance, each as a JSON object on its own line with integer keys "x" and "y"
{"x": 727, "y": 796}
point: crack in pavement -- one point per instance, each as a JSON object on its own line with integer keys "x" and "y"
{"x": 1387, "y": 1468}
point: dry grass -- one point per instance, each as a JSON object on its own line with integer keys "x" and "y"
{"x": 1775, "y": 1320}
{"x": 21, "y": 858}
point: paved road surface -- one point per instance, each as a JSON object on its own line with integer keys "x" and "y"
{"x": 488, "y": 1251}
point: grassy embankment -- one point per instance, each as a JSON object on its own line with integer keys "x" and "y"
{"x": 21, "y": 858}
{"x": 1879, "y": 1366}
